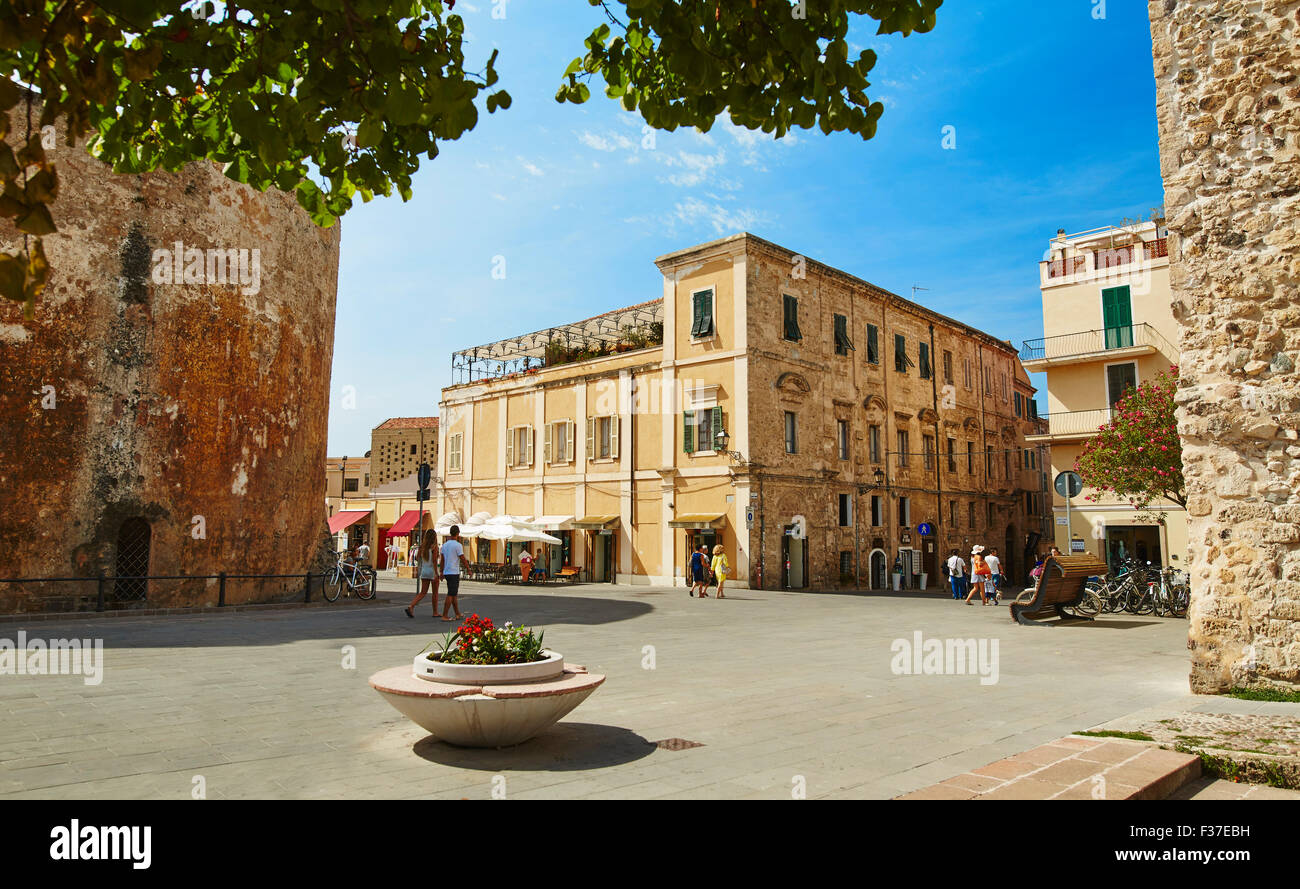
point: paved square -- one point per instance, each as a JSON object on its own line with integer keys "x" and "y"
{"x": 783, "y": 690}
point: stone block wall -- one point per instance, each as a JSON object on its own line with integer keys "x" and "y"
{"x": 1228, "y": 78}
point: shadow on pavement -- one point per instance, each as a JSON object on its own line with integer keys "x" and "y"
{"x": 565, "y": 747}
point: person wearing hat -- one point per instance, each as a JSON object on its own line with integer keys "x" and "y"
{"x": 980, "y": 575}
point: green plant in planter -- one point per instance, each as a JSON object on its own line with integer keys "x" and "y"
{"x": 477, "y": 641}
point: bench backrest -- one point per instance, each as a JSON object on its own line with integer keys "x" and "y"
{"x": 1064, "y": 577}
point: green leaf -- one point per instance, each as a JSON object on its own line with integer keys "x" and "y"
{"x": 369, "y": 133}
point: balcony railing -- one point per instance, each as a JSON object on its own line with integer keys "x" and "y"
{"x": 1078, "y": 422}
{"x": 1073, "y": 345}
{"x": 1106, "y": 258}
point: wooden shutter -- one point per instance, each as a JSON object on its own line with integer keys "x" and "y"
{"x": 873, "y": 344}
{"x": 717, "y": 427}
{"x": 569, "y": 443}
{"x": 546, "y": 448}
{"x": 688, "y": 432}
{"x": 591, "y": 439}
{"x": 510, "y": 447}
{"x": 791, "y": 306}
{"x": 613, "y": 437}
{"x": 528, "y": 445}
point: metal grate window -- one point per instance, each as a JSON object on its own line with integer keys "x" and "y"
{"x": 133, "y": 541}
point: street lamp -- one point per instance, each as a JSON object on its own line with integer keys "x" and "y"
{"x": 880, "y": 482}
{"x": 721, "y": 440}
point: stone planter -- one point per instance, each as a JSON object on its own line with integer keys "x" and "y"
{"x": 490, "y": 674}
{"x": 496, "y": 713}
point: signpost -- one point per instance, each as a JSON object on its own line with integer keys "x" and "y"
{"x": 422, "y": 476}
{"x": 1068, "y": 484}
{"x": 925, "y": 529}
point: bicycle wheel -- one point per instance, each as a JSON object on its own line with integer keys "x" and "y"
{"x": 1179, "y": 601}
{"x": 366, "y": 589}
{"x": 1089, "y": 606}
{"x": 332, "y": 585}
{"x": 1145, "y": 602}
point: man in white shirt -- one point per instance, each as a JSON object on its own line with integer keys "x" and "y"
{"x": 957, "y": 575}
{"x": 995, "y": 565}
{"x": 363, "y": 553}
{"x": 453, "y": 556}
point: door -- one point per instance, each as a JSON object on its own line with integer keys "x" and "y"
{"x": 879, "y": 575}
{"x": 1119, "y": 379}
{"x": 794, "y": 559}
{"x": 1117, "y": 316}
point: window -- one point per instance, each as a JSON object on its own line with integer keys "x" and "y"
{"x": 970, "y": 515}
{"x": 602, "y": 438}
{"x": 952, "y": 455}
{"x": 952, "y": 513}
{"x": 844, "y": 438}
{"x": 846, "y": 510}
{"x": 970, "y": 457}
{"x": 904, "y": 512}
{"x": 453, "y": 452}
{"x": 791, "y": 328}
{"x": 702, "y": 314}
{"x": 412, "y": 450}
{"x": 1033, "y": 409}
{"x": 1020, "y": 401}
{"x": 791, "y": 444}
{"x": 1117, "y": 316}
{"x": 877, "y": 511}
{"x": 988, "y": 461}
{"x": 947, "y": 367}
{"x": 349, "y": 485}
{"x": 928, "y": 449}
{"x": 873, "y": 344}
{"x": 990, "y": 508}
{"x": 559, "y": 442}
{"x": 519, "y": 446}
{"x": 1004, "y": 388}
{"x": 965, "y": 372}
{"x": 873, "y": 443}
{"x": 902, "y": 448}
{"x": 900, "y": 353}
{"x": 923, "y": 350}
{"x": 1029, "y": 503}
{"x": 699, "y": 428}
{"x": 988, "y": 381}
{"x": 367, "y": 479}
{"x": 843, "y": 345}
{"x": 846, "y": 563}
{"x": 1006, "y": 464}
{"x": 1119, "y": 379}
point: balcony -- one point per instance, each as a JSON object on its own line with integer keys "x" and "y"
{"x": 1091, "y": 345}
{"x": 1104, "y": 259}
{"x": 1068, "y": 425}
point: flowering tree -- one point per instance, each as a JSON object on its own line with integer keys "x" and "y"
{"x": 1137, "y": 455}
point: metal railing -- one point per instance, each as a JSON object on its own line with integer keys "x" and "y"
{"x": 1078, "y": 422}
{"x": 1106, "y": 258}
{"x": 1087, "y": 342}
{"x": 103, "y": 592}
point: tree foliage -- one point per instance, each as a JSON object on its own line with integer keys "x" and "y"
{"x": 339, "y": 98}
{"x": 1138, "y": 455}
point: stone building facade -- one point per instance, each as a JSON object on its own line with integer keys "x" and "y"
{"x": 840, "y": 403}
{"x": 1228, "y": 77}
{"x": 399, "y": 445}
{"x": 165, "y": 412}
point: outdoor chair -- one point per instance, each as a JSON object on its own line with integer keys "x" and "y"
{"x": 1060, "y": 586}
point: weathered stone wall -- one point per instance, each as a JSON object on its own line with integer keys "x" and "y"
{"x": 1229, "y": 112}
{"x": 131, "y": 398}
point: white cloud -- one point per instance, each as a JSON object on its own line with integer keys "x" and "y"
{"x": 532, "y": 168}
{"x": 606, "y": 141}
{"x": 694, "y": 212}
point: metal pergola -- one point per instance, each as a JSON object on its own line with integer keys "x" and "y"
{"x": 521, "y": 353}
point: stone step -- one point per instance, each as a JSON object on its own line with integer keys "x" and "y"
{"x": 1221, "y": 789}
{"x": 1074, "y": 767}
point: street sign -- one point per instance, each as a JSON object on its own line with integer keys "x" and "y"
{"x": 800, "y": 529}
{"x": 749, "y": 516}
{"x": 1069, "y": 484}
{"x": 422, "y": 476}
{"x": 1060, "y": 520}
{"x": 925, "y": 529}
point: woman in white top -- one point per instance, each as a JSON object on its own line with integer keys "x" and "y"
{"x": 427, "y": 559}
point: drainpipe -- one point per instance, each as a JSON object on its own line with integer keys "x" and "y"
{"x": 984, "y": 433}
{"x": 938, "y": 473}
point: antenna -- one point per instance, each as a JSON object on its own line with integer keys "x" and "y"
{"x": 916, "y": 287}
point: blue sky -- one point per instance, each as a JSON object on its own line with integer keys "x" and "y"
{"x": 1054, "y": 117}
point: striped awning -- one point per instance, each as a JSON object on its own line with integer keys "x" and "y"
{"x": 699, "y": 522}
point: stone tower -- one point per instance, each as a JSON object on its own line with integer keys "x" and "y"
{"x": 1229, "y": 112}
{"x": 165, "y": 413}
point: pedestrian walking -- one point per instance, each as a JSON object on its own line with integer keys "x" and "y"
{"x": 363, "y": 553}
{"x": 995, "y": 566}
{"x": 980, "y": 574}
{"x": 453, "y": 557}
{"x": 957, "y": 574}
{"x": 427, "y": 559}
{"x": 720, "y": 568}
{"x": 699, "y": 569}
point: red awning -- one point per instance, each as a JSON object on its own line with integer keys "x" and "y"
{"x": 341, "y": 520}
{"x": 402, "y": 527}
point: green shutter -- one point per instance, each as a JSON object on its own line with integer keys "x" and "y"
{"x": 688, "y": 432}
{"x": 702, "y": 313}
{"x": 924, "y": 355}
{"x": 873, "y": 344}
{"x": 696, "y": 314}
{"x": 1117, "y": 316}
{"x": 717, "y": 427}
{"x": 791, "y": 318}
{"x": 900, "y": 353}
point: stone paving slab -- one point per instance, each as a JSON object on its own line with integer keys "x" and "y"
{"x": 777, "y": 686}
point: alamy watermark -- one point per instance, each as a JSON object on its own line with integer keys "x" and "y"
{"x": 945, "y": 657}
{"x": 239, "y": 266}
{"x": 53, "y": 657}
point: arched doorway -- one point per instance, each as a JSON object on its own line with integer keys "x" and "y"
{"x": 132, "y": 560}
{"x": 879, "y": 572}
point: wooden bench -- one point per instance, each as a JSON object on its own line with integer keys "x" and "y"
{"x": 1060, "y": 586}
{"x": 569, "y": 574}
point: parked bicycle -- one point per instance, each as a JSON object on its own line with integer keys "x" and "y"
{"x": 352, "y": 576}
{"x": 1138, "y": 588}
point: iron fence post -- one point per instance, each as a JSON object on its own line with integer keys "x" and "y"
{"x": 221, "y": 589}
{"x": 99, "y": 592}
{"x": 306, "y": 586}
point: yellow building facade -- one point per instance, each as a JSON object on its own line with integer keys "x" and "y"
{"x": 1108, "y": 326}
{"x": 859, "y": 431}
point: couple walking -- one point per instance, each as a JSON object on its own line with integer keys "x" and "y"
{"x": 985, "y": 575}
{"x": 449, "y": 558}
{"x": 701, "y": 569}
